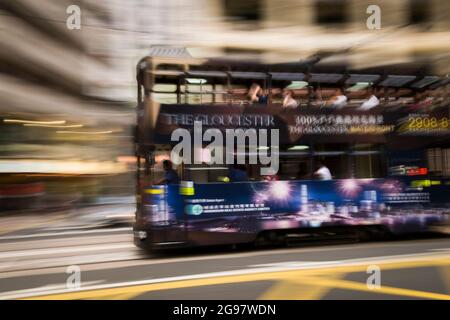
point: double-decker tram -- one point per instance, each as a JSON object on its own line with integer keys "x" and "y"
{"x": 268, "y": 153}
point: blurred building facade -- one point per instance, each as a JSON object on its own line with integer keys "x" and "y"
{"x": 411, "y": 30}
{"x": 66, "y": 115}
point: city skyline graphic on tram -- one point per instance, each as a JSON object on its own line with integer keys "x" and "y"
{"x": 251, "y": 207}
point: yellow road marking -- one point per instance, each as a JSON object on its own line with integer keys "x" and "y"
{"x": 351, "y": 285}
{"x": 121, "y": 296}
{"x": 444, "y": 271}
{"x": 276, "y": 275}
{"x": 296, "y": 289}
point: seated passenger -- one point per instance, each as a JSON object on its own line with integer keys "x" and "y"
{"x": 338, "y": 100}
{"x": 170, "y": 175}
{"x": 422, "y": 101}
{"x": 237, "y": 173}
{"x": 322, "y": 172}
{"x": 288, "y": 99}
{"x": 371, "y": 102}
{"x": 257, "y": 95}
{"x": 438, "y": 96}
{"x": 263, "y": 97}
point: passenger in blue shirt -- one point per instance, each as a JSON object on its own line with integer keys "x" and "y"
{"x": 170, "y": 175}
{"x": 237, "y": 173}
{"x": 263, "y": 97}
{"x": 258, "y": 95}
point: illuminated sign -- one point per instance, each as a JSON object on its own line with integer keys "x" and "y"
{"x": 417, "y": 171}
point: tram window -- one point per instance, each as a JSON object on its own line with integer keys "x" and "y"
{"x": 220, "y": 93}
{"x": 438, "y": 161}
{"x": 206, "y": 174}
{"x": 294, "y": 168}
{"x": 239, "y": 93}
{"x": 335, "y": 157}
{"x": 368, "y": 161}
{"x": 446, "y": 164}
{"x": 338, "y": 165}
{"x": 156, "y": 165}
{"x": 165, "y": 88}
{"x": 168, "y": 98}
{"x": 199, "y": 94}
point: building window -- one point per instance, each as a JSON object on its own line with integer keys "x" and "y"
{"x": 419, "y": 11}
{"x": 244, "y": 11}
{"x": 329, "y": 12}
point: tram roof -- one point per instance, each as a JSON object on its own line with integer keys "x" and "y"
{"x": 415, "y": 76}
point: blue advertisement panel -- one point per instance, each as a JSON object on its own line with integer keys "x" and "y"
{"x": 251, "y": 207}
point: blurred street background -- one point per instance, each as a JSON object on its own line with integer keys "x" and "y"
{"x": 68, "y": 97}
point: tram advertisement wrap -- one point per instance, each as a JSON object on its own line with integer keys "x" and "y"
{"x": 309, "y": 123}
{"x": 251, "y": 207}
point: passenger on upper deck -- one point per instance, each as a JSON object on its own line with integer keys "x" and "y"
{"x": 263, "y": 97}
{"x": 288, "y": 99}
{"x": 338, "y": 100}
{"x": 371, "y": 102}
{"x": 257, "y": 95}
{"x": 422, "y": 100}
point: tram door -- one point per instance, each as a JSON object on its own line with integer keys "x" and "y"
{"x": 162, "y": 206}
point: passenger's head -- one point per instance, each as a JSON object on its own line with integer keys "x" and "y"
{"x": 339, "y": 92}
{"x": 421, "y": 95}
{"x": 264, "y": 92}
{"x": 237, "y": 166}
{"x": 370, "y": 92}
{"x": 288, "y": 93}
{"x": 254, "y": 88}
{"x": 319, "y": 164}
{"x": 167, "y": 164}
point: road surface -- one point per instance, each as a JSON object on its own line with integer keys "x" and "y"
{"x": 34, "y": 266}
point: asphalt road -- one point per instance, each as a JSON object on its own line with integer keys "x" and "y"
{"x": 35, "y": 266}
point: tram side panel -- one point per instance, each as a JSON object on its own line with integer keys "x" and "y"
{"x": 226, "y": 213}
